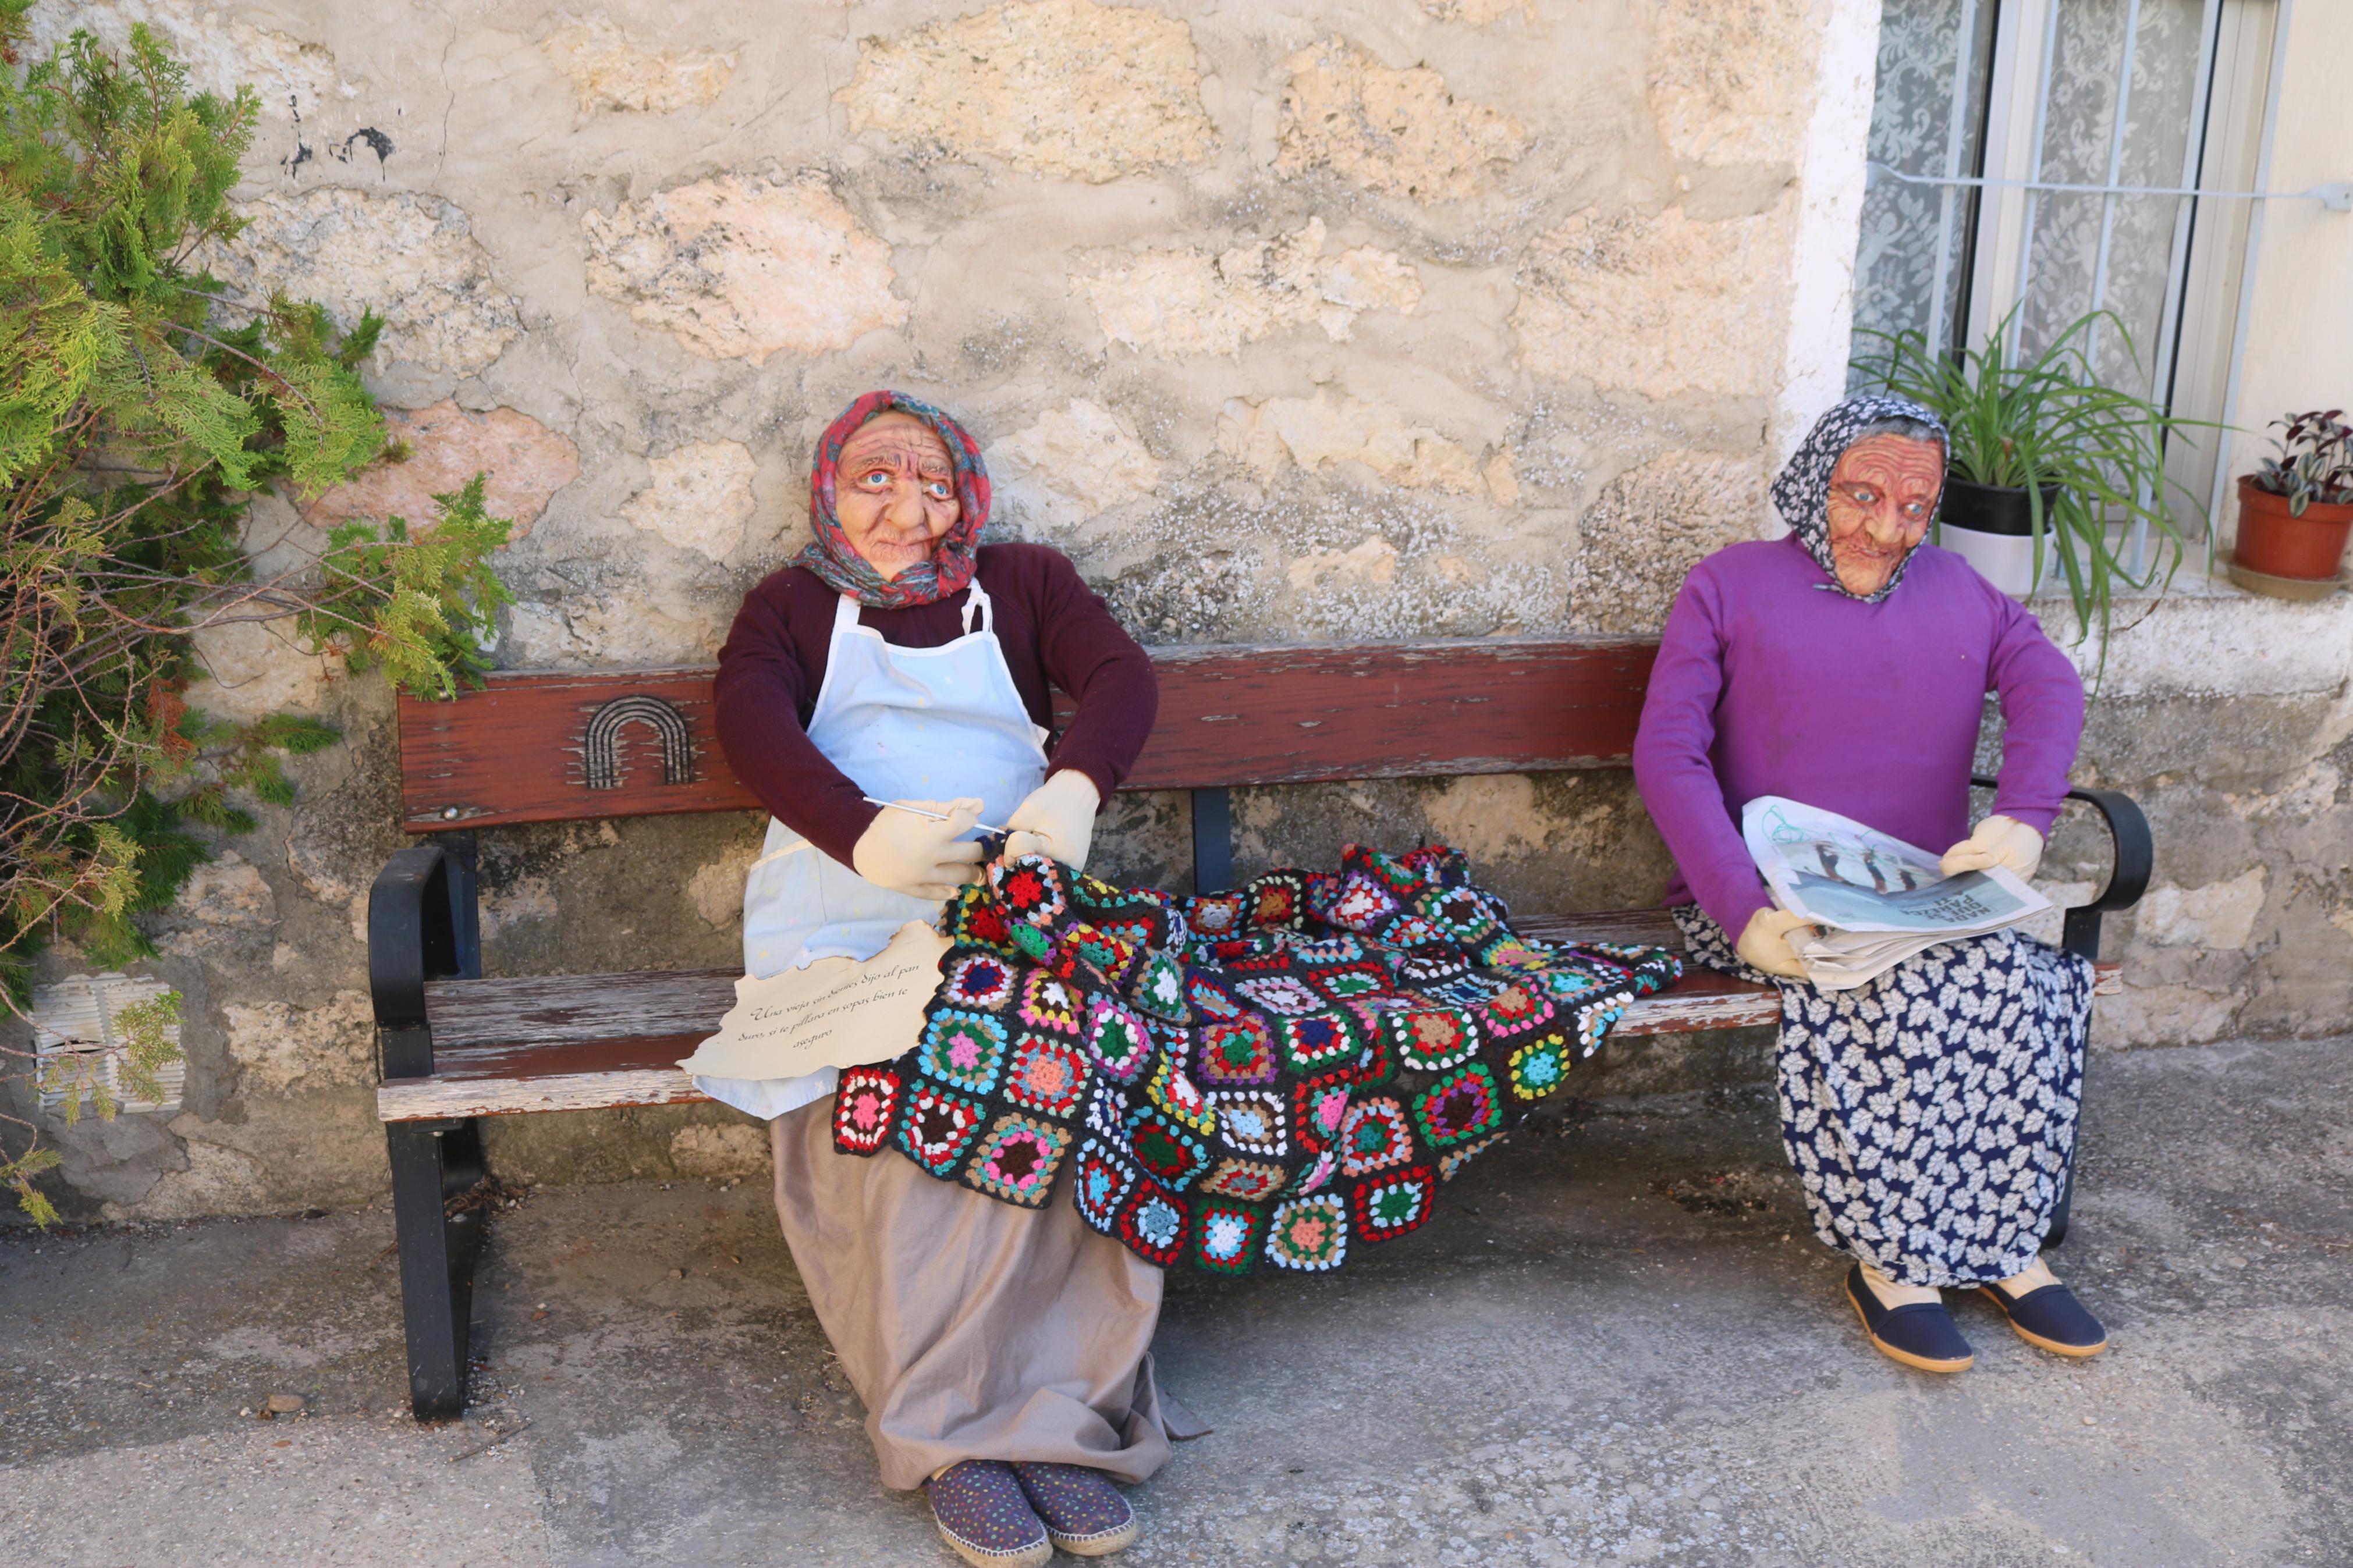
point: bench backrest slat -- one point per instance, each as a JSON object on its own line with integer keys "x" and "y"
{"x": 558, "y": 746}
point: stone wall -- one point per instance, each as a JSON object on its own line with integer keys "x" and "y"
{"x": 1285, "y": 319}
{"x": 2229, "y": 718}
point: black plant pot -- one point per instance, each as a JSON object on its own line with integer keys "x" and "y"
{"x": 1992, "y": 528}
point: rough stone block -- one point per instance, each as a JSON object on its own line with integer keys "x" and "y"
{"x": 1371, "y": 563}
{"x": 227, "y": 891}
{"x": 700, "y": 497}
{"x": 292, "y": 78}
{"x": 281, "y": 1046}
{"x": 1316, "y": 433}
{"x": 1063, "y": 88}
{"x": 1650, "y": 527}
{"x": 1657, "y": 304}
{"x": 1478, "y": 13}
{"x": 526, "y": 463}
{"x": 1734, "y": 84}
{"x": 1190, "y": 301}
{"x": 743, "y": 266}
{"x": 2218, "y": 643}
{"x": 409, "y": 256}
{"x": 1071, "y": 463}
{"x": 1401, "y": 132}
{"x": 254, "y": 669}
{"x": 617, "y": 624}
{"x": 610, "y": 71}
{"x": 2218, "y": 916}
{"x": 716, "y": 890}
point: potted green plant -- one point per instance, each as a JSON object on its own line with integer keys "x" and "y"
{"x": 2053, "y": 470}
{"x": 2295, "y": 510}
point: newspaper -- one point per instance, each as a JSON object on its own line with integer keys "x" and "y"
{"x": 1874, "y": 900}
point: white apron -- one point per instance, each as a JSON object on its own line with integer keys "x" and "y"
{"x": 905, "y": 723}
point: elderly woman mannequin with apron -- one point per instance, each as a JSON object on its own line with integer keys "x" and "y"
{"x": 1002, "y": 1353}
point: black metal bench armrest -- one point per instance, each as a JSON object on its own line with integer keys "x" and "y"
{"x": 422, "y": 926}
{"x": 2136, "y": 860}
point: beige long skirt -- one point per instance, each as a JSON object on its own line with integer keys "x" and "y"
{"x": 971, "y": 1328}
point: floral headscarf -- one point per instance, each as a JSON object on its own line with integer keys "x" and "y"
{"x": 836, "y": 562}
{"x": 1802, "y": 492}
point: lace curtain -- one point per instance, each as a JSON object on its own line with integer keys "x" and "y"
{"x": 1911, "y": 129}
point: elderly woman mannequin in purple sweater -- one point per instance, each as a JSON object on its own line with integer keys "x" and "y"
{"x": 1930, "y": 1112}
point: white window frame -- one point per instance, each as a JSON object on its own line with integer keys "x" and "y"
{"x": 2196, "y": 362}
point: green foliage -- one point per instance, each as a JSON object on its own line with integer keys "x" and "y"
{"x": 140, "y": 405}
{"x": 2048, "y": 422}
{"x": 433, "y": 598}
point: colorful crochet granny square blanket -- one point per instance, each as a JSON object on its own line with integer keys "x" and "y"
{"x": 1276, "y": 1075}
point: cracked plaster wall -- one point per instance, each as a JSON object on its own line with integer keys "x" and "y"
{"x": 1302, "y": 320}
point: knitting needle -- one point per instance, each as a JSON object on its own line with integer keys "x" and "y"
{"x": 919, "y": 811}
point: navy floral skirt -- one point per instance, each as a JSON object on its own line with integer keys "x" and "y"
{"x": 1931, "y": 1111}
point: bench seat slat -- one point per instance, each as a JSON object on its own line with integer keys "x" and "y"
{"x": 512, "y": 1077}
{"x": 428, "y": 1098}
{"x": 580, "y": 1042}
{"x": 1642, "y": 928}
{"x": 576, "y": 1010}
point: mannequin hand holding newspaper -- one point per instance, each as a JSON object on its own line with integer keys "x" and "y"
{"x": 1764, "y": 943}
{"x": 1997, "y": 841}
{"x": 1873, "y": 900}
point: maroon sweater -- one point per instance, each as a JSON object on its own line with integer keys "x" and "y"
{"x": 1054, "y": 629}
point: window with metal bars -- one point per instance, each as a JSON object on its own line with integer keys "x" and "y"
{"x": 2061, "y": 157}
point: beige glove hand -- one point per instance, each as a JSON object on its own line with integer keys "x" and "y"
{"x": 1764, "y": 945}
{"x": 1057, "y": 819}
{"x": 1997, "y": 841}
{"x": 916, "y": 855}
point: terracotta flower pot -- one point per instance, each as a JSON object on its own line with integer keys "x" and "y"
{"x": 2276, "y": 543}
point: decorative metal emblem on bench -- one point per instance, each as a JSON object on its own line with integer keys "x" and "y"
{"x": 600, "y": 749}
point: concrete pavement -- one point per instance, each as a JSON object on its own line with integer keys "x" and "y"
{"x": 1615, "y": 1344}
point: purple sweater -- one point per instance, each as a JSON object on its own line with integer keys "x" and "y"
{"x": 1767, "y": 684}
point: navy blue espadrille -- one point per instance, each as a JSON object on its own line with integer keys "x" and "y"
{"x": 984, "y": 1515}
{"x": 2051, "y": 1318}
{"x": 1922, "y": 1334}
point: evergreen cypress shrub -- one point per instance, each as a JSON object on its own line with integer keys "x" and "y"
{"x": 142, "y": 406}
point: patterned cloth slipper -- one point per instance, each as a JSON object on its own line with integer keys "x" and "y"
{"x": 983, "y": 1515}
{"x": 1085, "y": 1515}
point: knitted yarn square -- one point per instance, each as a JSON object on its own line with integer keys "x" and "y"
{"x": 1275, "y": 1076}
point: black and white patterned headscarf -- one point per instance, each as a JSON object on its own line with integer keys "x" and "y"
{"x": 1802, "y": 492}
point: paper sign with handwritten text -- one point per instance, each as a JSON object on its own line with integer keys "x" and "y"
{"x": 836, "y": 1013}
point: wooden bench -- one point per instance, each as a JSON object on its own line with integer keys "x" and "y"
{"x": 553, "y": 747}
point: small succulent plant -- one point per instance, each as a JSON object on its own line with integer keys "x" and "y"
{"x": 2315, "y": 461}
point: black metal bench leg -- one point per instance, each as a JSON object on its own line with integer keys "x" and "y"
{"x": 1213, "y": 841}
{"x": 2057, "y": 1234}
{"x": 433, "y": 1162}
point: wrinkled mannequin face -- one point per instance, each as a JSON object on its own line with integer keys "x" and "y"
{"x": 1882, "y": 494}
{"x": 894, "y": 492}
